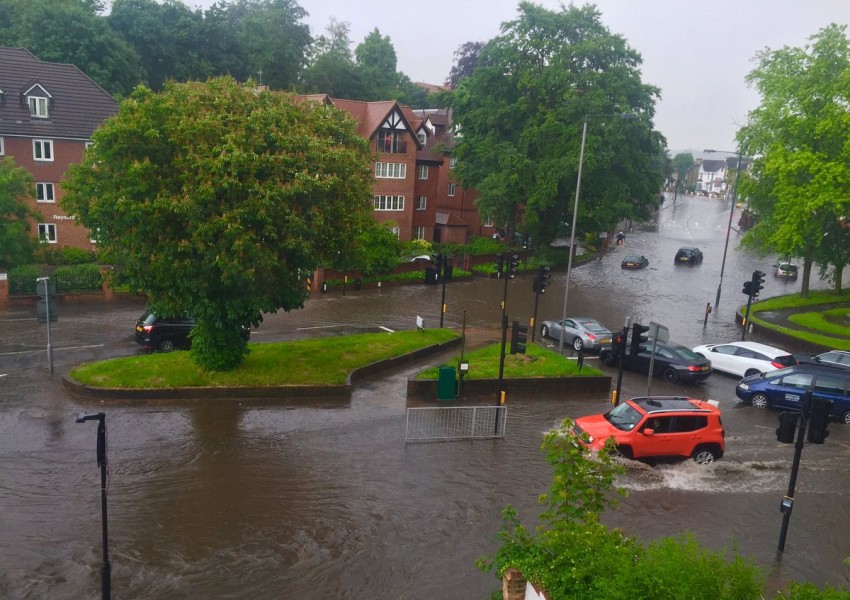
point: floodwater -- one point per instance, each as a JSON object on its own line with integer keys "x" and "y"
{"x": 324, "y": 499}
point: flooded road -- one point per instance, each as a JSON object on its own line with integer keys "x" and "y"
{"x": 323, "y": 498}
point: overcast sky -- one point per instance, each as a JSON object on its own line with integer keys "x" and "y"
{"x": 697, "y": 51}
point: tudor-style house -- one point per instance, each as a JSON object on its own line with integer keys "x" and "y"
{"x": 48, "y": 113}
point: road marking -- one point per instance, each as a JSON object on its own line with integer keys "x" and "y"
{"x": 321, "y": 327}
{"x": 386, "y": 328}
{"x": 54, "y": 349}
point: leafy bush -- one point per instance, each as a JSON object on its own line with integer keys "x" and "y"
{"x": 412, "y": 276}
{"x": 68, "y": 255}
{"x": 22, "y": 280}
{"x": 77, "y": 278}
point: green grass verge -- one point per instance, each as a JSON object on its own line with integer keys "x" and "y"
{"x": 322, "y": 361}
{"x": 536, "y": 362}
{"x": 821, "y": 326}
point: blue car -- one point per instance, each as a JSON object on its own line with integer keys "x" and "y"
{"x": 786, "y": 388}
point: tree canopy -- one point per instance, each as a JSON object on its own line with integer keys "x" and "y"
{"x": 521, "y": 112}
{"x": 17, "y": 242}
{"x": 799, "y": 183}
{"x": 217, "y": 200}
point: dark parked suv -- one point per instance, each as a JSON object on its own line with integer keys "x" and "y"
{"x": 166, "y": 334}
{"x": 688, "y": 256}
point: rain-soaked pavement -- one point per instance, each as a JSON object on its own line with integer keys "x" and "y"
{"x": 323, "y": 498}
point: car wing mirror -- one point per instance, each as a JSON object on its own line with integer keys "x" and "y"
{"x": 648, "y": 431}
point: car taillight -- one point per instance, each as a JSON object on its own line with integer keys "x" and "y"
{"x": 694, "y": 367}
{"x": 147, "y": 328}
{"x": 591, "y": 336}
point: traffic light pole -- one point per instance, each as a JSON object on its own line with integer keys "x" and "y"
{"x": 621, "y": 350}
{"x": 501, "y": 398}
{"x": 787, "y": 503}
{"x": 442, "y": 274}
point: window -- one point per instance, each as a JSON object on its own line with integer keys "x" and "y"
{"x": 420, "y": 233}
{"x": 390, "y": 170}
{"x": 488, "y": 222}
{"x": 396, "y": 231}
{"x": 421, "y": 202}
{"x": 452, "y": 162}
{"x": 391, "y": 142}
{"x": 2, "y": 149}
{"x": 44, "y": 192}
{"x": 452, "y": 187}
{"x": 42, "y": 150}
{"x": 422, "y": 172}
{"x": 829, "y": 384}
{"x": 38, "y": 106}
{"x": 422, "y": 137}
{"x": 802, "y": 381}
{"x": 47, "y": 232}
{"x": 389, "y": 203}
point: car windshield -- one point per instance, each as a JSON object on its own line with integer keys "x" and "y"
{"x": 632, "y": 258}
{"x": 686, "y": 353}
{"x": 624, "y": 417}
{"x": 787, "y": 267}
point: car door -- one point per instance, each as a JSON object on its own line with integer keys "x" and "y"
{"x": 686, "y": 433}
{"x": 833, "y": 388}
{"x": 570, "y": 330}
{"x": 750, "y": 359}
{"x": 655, "y": 438}
{"x": 722, "y": 358}
{"x": 787, "y": 391}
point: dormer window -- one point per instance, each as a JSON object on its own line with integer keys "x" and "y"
{"x": 38, "y": 107}
{"x": 422, "y": 137}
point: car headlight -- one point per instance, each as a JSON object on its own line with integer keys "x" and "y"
{"x": 743, "y": 386}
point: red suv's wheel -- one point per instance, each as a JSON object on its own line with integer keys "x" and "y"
{"x": 704, "y": 455}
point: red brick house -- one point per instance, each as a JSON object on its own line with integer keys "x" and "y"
{"x": 48, "y": 113}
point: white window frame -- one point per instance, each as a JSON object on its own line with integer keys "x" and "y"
{"x": 421, "y": 202}
{"x": 385, "y": 202}
{"x": 452, "y": 162}
{"x": 47, "y": 233}
{"x": 452, "y": 189}
{"x": 45, "y": 192}
{"x": 43, "y": 147}
{"x": 422, "y": 172}
{"x": 397, "y": 231}
{"x": 390, "y": 170}
{"x": 2, "y": 147}
{"x": 423, "y": 139}
{"x": 38, "y": 106}
{"x": 419, "y": 233}
{"x": 488, "y": 222}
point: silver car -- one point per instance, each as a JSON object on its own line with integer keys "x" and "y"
{"x": 582, "y": 333}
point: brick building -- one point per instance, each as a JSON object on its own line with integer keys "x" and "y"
{"x": 48, "y": 113}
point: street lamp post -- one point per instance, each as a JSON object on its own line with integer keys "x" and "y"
{"x": 731, "y": 213}
{"x": 624, "y": 116}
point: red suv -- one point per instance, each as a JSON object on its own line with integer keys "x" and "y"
{"x": 658, "y": 427}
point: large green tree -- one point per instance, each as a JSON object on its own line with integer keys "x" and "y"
{"x": 521, "y": 112}
{"x": 800, "y": 179}
{"x": 17, "y": 242}
{"x": 331, "y": 69}
{"x": 70, "y": 31}
{"x": 217, "y": 201}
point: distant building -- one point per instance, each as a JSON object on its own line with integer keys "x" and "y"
{"x": 48, "y": 113}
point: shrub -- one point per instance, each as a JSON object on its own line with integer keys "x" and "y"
{"x": 22, "y": 280}
{"x": 77, "y": 278}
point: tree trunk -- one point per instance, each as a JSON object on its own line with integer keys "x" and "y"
{"x": 839, "y": 273}
{"x": 807, "y": 271}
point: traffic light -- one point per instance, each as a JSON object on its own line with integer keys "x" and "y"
{"x": 438, "y": 263}
{"x": 541, "y": 280}
{"x": 519, "y": 338}
{"x": 639, "y": 335}
{"x": 819, "y": 420}
{"x": 500, "y": 263}
{"x": 618, "y": 344}
{"x": 787, "y": 427}
{"x": 748, "y": 288}
{"x": 758, "y": 282}
{"x": 514, "y": 263}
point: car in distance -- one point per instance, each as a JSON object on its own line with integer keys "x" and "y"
{"x": 634, "y": 261}
{"x": 745, "y": 358}
{"x": 836, "y": 358}
{"x": 785, "y": 270}
{"x": 652, "y": 427}
{"x": 164, "y": 334}
{"x": 787, "y": 388}
{"x": 688, "y": 255}
{"x": 583, "y": 333}
{"x": 673, "y": 362}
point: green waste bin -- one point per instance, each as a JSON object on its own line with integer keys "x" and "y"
{"x": 446, "y": 384}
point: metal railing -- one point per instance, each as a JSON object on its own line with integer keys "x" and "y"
{"x": 455, "y": 423}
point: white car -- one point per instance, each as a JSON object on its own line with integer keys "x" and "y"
{"x": 745, "y": 358}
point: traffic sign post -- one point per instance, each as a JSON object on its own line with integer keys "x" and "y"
{"x": 46, "y": 310}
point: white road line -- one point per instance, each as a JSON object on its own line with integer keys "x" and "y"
{"x": 54, "y": 349}
{"x": 321, "y": 327}
{"x": 386, "y": 328}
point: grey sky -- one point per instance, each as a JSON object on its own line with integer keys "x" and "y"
{"x": 697, "y": 52}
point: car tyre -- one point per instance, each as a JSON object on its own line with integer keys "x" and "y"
{"x": 544, "y": 331}
{"x": 670, "y": 375}
{"x": 752, "y": 372}
{"x": 607, "y": 358}
{"x": 760, "y": 400}
{"x": 578, "y": 344}
{"x": 165, "y": 345}
{"x": 845, "y": 418}
{"x": 704, "y": 455}
{"x": 625, "y": 452}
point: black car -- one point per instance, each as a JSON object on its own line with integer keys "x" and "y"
{"x": 688, "y": 256}
{"x": 673, "y": 362}
{"x": 164, "y": 334}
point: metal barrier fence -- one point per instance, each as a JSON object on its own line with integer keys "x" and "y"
{"x": 455, "y": 423}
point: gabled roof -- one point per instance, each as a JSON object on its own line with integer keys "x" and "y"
{"x": 711, "y": 166}
{"x": 450, "y": 219}
{"x": 370, "y": 115}
{"x": 78, "y": 105}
